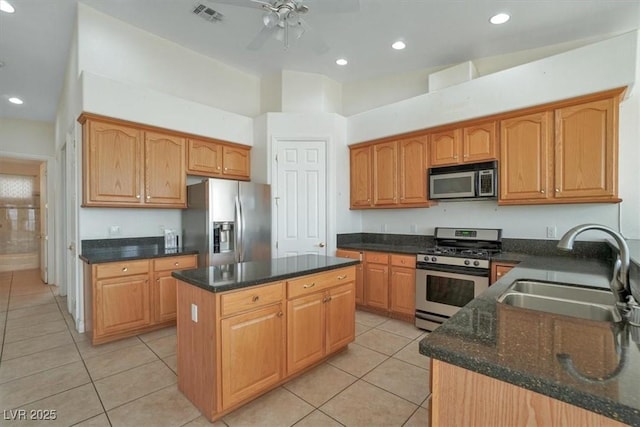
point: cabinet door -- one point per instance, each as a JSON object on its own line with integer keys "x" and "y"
{"x": 305, "y": 331}
{"x": 586, "y": 147}
{"x": 479, "y": 142}
{"x": 500, "y": 269}
{"x": 376, "y": 286}
{"x": 236, "y": 162}
{"x": 341, "y": 325}
{"x": 165, "y": 173}
{"x": 445, "y": 147}
{"x": 385, "y": 173}
{"x": 525, "y": 157}
{"x": 413, "y": 170}
{"x": 204, "y": 158}
{"x": 121, "y": 304}
{"x": 252, "y": 353}
{"x": 360, "y": 172}
{"x": 403, "y": 290}
{"x": 113, "y": 164}
{"x": 164, "y": 297}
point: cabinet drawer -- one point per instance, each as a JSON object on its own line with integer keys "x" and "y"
{"x": 248, "y": 299}
{"x": 318, "y": 282}
{"x": 125, "y": 268}
{"x": 377, "y": 257}
{"x": 403, "y": 261}
{"x": 175, "y": 263}
{"x": 342, "y": 253}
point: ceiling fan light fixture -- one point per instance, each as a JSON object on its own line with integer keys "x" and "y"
{"x": 16, "y": 100}
{"x": 399, "y": 45}
{"x": 270, "y": 19}
{"x": 6, "y": 7}
{"x": 500, "y": 18}
{"x": 341, "y": 61}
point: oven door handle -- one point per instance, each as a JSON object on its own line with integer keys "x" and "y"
{"x": 452, "y": 269}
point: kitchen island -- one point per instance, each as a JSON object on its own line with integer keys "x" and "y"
{"x": 245, "y": 328}
{"x": 500, "y": 364}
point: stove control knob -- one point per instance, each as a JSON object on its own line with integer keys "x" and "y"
{"x": 476, "y": 263}
{"x": 466, "y": 262}
{"x": 433, "y": 259}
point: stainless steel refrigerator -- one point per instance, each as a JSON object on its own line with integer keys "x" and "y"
{"x": 227, "y": 221}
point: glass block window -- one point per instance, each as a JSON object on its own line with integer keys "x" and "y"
{"x": 16, "y": 186}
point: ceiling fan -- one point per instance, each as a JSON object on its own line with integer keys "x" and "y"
{"x": 282, "y": 19}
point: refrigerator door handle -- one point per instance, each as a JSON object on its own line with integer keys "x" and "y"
{"x": 239, "y": 231}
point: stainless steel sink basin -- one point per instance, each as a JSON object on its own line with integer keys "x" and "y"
{"x": 558, "y": 298}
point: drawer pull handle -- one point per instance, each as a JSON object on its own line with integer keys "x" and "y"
{"x": 307, "y": 286}
{"x": 342, "y": 277}
{"x": 255, "y": 298}
{"x": 124, "y": 268}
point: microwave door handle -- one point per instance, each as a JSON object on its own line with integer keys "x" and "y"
{"x": 476, "y": 189}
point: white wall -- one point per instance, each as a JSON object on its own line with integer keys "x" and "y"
{"x": 117, "y": 50}
{"x": 26, "y": 137}
{"x": 310, "y": 93}
{"x": 596, "y": 67}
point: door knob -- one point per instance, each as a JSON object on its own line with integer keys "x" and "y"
{"x": 321, "y": 244}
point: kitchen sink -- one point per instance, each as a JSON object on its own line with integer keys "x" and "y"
{"x": 563, "y": 299}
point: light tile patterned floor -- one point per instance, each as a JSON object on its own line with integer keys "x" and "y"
{"x": 381, "y": 380}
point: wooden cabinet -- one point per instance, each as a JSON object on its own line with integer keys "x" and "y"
{"x": 474, "y": 143}
{"x": 564, "y": 154}
{"x": 499, "y": 269}
{"x": 321, "y": 317}
{"x": 252, "y": 353}
{"x": 124, "y": 166}
{"x": 218, "y": 159}
{"x": 342, "y": 253}
{"x": 402, "y": 285}
{"x": 376, "y": 280}
{"x": 248, "y": 341}
{"x": 389, "y": 174}
{"x": 385, "y": 173}
{"x": 131, "y": 297}
{"x": 164, "y": 285}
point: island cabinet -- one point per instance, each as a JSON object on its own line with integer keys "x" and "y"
{"x": 464, "y": 398}
{"x": 218, "y": 159}
{"x": 389, "y": 174}
{"x": 566, "y": 153}
{"x": 235, "y": 345}
{"x": 472, "y": 143}
{"x": 128, "y": 166}
{"x": 131, "y": 297}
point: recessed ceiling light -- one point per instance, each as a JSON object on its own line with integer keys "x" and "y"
{"x": 500, "y": 18}
{"x": 15, "y": 100}
{"x": 342, "y": 61}
{"x": 5, "y": 6}
{"x": 399, "y": 45}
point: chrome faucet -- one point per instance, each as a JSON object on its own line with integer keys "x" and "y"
{"x": 620, "y": 281}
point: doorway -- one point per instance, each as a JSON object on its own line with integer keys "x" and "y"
{"x": 300, "y": 194}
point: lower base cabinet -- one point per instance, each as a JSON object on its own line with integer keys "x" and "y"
{"x": 248, "y": 341}
{"x": 122, "y": 303}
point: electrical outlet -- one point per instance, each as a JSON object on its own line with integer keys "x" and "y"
{"x": 551, "y": 232}
{"x": 194, "y": 313}
{"x": 114, "y": 230}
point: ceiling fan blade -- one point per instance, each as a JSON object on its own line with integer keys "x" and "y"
{"x": 261, "y": 38}
{"x": 333, "y": 6}
{"x": 315, "y": 40}
{"x": 253, "y": 4}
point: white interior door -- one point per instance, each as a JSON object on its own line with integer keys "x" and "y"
{"x": 70, "y": 215}
{"x": 44, "y": 231}
{"x": 301, "y": 197}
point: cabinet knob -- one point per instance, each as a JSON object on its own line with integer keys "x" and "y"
{"x": 280, "y": 314}
{"x": 219, "y": 168}
{"x": 226, "y": 169}
{"x": 342, "y": 277}
{"x": 176, "y": 264}
{"x": 455, "y": 157}
{"x": 557, "y": 190}
{"x": 309, "y": 285}
{"x": 148, "y": 197}
{"x": 255, "y": 298}
{"x": 124, "y": 268}
{"x": 465, "y": 156}
{"x": 157, "y": 280}
{"x": 499, "y": 274}
{"x": 542, "y": 191}
{"x": 137, "y": 196}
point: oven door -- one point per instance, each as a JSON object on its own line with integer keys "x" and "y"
{"x": 444, "y": 292}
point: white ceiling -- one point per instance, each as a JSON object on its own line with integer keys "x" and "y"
{"x": 34, "y": 41}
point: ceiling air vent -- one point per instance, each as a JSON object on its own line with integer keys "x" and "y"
{"x": 205, "y": 12}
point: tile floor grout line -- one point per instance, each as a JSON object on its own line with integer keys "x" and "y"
{"x": 390, "y": 392}
{"x": 329, "y": 415}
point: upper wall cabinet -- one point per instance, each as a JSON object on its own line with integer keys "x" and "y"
{"x": 389, "y": 174}
{"x": 124, "y": 166}
{"x": 566, "y": 154}
{"x": 218, "y": 159}
{"x": 474, "y": 143}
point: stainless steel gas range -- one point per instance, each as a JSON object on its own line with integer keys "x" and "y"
{"x": 455, "y": 271}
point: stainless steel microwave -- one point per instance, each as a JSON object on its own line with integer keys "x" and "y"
{"x": 464, "y": 182}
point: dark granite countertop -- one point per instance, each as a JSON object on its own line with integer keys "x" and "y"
{"x": 481, "y": 338}
{"x": 128, "y": 249}
{"x": 227, "y": 277}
